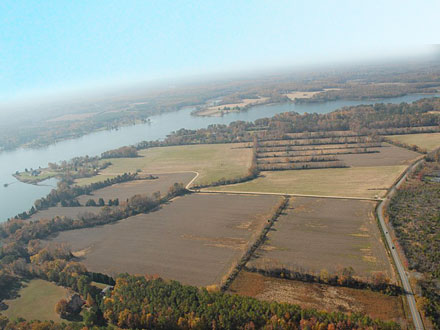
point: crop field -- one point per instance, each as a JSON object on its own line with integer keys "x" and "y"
{"x": 364, "y": 170}
{"x": 331, "y": 234}
{"x": 363, "y": 182}
{"x": 195, "y": 239}
{"x": 319, "y": 296}
{"x": 333, "y": 149}
{"x": 69, "y": 212}
{"x": 388, "y": 155}
{"x": 428, "y": 141}
{"x": 36, "y": 301}
{"x": 94, "y": 179}
{"x": 212, "y": 161}
{"x": 138, "y": 187}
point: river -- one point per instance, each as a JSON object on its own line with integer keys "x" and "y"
{"x": 18, "y": 197}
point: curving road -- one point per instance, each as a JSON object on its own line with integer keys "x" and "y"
{"x": 418, "y": 324}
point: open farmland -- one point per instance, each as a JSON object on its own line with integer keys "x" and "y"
{"x": 388, "y": 155}
{"x": 122, "y": 191}
{"x": 195, "y": 239}
{"x": 212, "y": 161}
{"x": 333, "y": 149}
{"x": 319, "y": 296}
{"x": 362, "y": 170}
{"x": 331, "y": 234}
{"x": 363, "y": 182}
{"x": 138, "y": 187}
{"x": 69, "y": 212}
{"x": 428, "y": 141}
{"x": 94, "y": 179}
{"x": 36, "y": 301}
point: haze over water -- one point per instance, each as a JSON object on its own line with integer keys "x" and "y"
{"x": 19, "y": 197}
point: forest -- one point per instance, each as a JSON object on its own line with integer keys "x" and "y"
{"x": 414, "y": 214}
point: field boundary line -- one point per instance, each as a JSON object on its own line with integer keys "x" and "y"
{"x": 283, "y": 194}
{"x": 207, "y": 191}
{"x": 252, "y": 248}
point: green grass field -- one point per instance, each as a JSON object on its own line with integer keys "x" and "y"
{"x": 36, "y": 302}
{"x": 212, "y": 161}
{"x": 100, "y": 285}
{"x": 346, "y": 182}
{"x": 93, "y": 179}
{"x": 44, "y": 175}
{"x": 428, "y": 141}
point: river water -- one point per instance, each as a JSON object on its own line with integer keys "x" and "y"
{"x": 18, "y": 197}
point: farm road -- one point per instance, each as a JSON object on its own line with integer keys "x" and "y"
{"x": 418, "y": 324}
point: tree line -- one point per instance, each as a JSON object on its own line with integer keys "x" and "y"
{"x": 23, "y": 231}
{"x": 123, "y": 152}
{"x": 359, "y": 120}
{"x": 66, "y": 193}
{"x": 378, "y": 282}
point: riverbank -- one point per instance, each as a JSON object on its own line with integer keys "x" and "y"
{"x": 35, "y": 176}
{"x": 19, "y": 196}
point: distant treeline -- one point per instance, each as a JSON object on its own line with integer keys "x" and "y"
{"x": 123, "y": 152}
{"x": 365, "y": 92}
{"x": 356, "y": 121}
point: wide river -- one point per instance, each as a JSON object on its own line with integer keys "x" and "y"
{"x": 18, "y": 197}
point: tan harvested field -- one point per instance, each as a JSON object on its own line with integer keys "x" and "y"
{"x": 195, "y": 239}
{"x": 317, "y": 142}
{"x": 368, "y": 175}
{"x": 320, "y": 133}
{"x": 316, "y": 233}
{"x": 319, "y": 296}
{"x": 317, "y": 152}
{"x": 315, "y": 147}
{"x": 212, "y": 161}
{"x": 138, "y": 187}
{"x": 363, "y": 182}
{"x": 70, "y": 212}
{"x": 428, "y": 141}
{"x": 388, "y": 155}
{"x": 122, "y": 191}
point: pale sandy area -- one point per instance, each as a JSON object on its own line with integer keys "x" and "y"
{"x": 218, "y": 109}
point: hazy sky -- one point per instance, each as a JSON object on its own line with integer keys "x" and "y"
{"x": 54, "y": 45}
